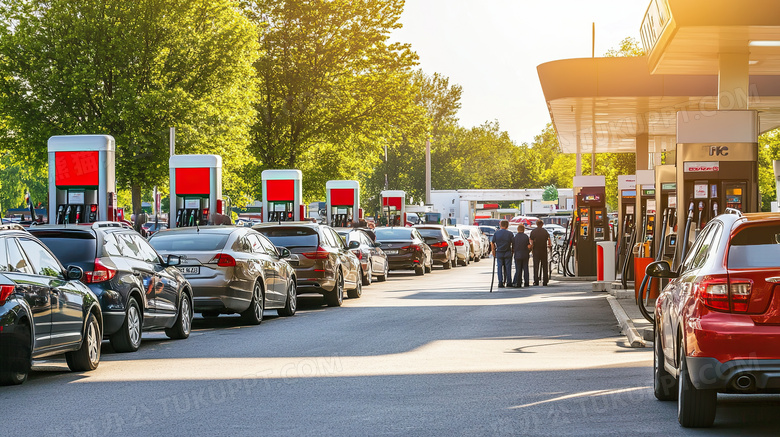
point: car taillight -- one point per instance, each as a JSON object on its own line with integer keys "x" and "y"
{"x": 5, "y": 291}
{"x": 358, "y": 254}
{"x": 459, "y": 242}
{"x": 224, "y": 260}
{"x": 320, "y": 253}
{"x": 724, "y": 295}
{"x": 412, "y": 248}
{"x": 441, "y": 244}
{"x": 100, "y": 273}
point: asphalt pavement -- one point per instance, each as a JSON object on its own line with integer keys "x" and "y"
{"x": 428, "y": 356}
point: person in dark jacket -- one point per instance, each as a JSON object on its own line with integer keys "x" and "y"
{"x": 522, "y": 252}
{"x": 540, "y": 243}
{"x": 502, "y": 251}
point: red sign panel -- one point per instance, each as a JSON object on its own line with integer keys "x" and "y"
{"x": 77, "y": 169}
{"x": 342, "y": 196}
{"x": 393, "y": 201}
{"x": 280, "y": 190}
{"x": 195, "y": 181}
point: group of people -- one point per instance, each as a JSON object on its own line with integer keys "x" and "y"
{"x": 507, "y": 246}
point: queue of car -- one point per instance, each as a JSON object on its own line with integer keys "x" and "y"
{"x": 64, "y": 289}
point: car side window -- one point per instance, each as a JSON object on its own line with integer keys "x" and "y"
{"x": 17, "y": 262}
{"x": 269, "y": 247}
{"x": 335, "y": 239}
{"x": 148, "y": 254}
{"x": 3, "y": 256}
{"x": 128, "y": 247}
{"x": 254, "y": 244}
{"x": 701, "y": 250}
{"x": 326, "y": 233}
{"x": 243, "y": 245}
{"x": 110, "y": 246}
{"x": 43, "y": 263}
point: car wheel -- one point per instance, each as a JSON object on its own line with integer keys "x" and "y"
{"x": 357, "y": 292}
{"x": 383, "y": 277}
{"x": 292, "y": 301}
{"x": 448, "y": 264}
{"x": 128, "y": 338}
{"x": 695, "y": 407}
{"x": 429, "y": 267}
{"x": 664, "y": 384}
{"x": 15, "y": 365}
{"x": 335, "y": 298}
{"x": 181, "y": 328}
{"x": 254, "y": 314}
{"x": 87, "y": 357}
{"x": 419, "y": 270}
{"x": 368, "y": 276}
{"x": 477, "y": 258}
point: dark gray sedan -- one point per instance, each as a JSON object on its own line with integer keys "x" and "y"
{"x": 232, "y": 270}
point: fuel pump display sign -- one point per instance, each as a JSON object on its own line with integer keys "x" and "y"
{"x": 77, "y": 169}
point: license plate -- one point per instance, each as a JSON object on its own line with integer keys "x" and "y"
{"x": 189, "y": 270}
{"x": 391, "y": 252}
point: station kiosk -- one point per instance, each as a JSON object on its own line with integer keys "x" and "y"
{"x": 343, "y": 202}
{"x": 591, "y": 210}
{"x": 196, "y": 189}
{"x": 717, "y": 168}
{"x": 82, "y": 183}
{"x": 394, "y": 207}
{"x": 282, "y": 195}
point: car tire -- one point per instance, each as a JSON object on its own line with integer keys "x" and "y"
{"x": 87, "y": 357}
{"x": 368, "y": 276}
{"x": 335, "y": 298}
{"x": 291, "y": 305}
{"x": 181, "y": 328}
{"x": 419, "y": 270}
{"x": 429, "y": 267}
{"x": 128, "y": 338}
{"x": 664, "y": 383}
{"x": 447, "y": 265}
{"x": 695, "y": 407}
{"x": 383, "y": 277}
{"x": 254, "y": 314}
{"x": 356, "y": 292}
{"x": 17, "y": 362}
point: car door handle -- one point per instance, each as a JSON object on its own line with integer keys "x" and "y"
{"x": 774, "y": 279}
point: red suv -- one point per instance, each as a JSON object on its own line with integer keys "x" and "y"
{"x": 717, "y": 323}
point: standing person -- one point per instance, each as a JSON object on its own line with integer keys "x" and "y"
{"x": 522, "y": 247}
{"x": 502, "y": 252}
{"x": 540, "y": 243}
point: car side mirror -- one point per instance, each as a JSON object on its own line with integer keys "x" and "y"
{"x": 74, "y": 273}
{"x": 173, "y": 260}
{"x": 354, "y": 244}
{"x": 660, "y": 269}
{"x": 283, "y": 252}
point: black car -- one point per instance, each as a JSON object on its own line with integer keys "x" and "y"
{"x": 44, "y": 309}
{"x": 405, "y": 249}
{"x": 441, "y": 243}
{"x": 138, "y": 289}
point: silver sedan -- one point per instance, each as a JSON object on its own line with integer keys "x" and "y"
{"x": 232, "y": 270}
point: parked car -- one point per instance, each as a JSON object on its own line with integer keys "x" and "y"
{"x": 461, "y": 244}
{"x": 44, "y": 309}
{"x": 489, "y": 222}
{"x": 325, "y": 265}
{"x": 717, "y": 322}
{"x": 488, "y": 231}
{"x": 373, "y": 260}
{"x": 475, "y": 242}
{"x": 405, "y": 249}
{"x": 153, "y": 228}
{"x": 442, "y": 246}
{"x": 138, "y": 290}
{"x": 232, "y": 270}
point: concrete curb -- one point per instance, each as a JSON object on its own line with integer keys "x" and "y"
{"x": 626, "y": 324}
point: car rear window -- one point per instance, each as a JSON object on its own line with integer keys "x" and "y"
{"x": 291, "y": 237}
{"x": 71, "y": 248}
{"x": 188, "y": 242}
{"x": 430, "y": 232}
{"x": 755, "y": 247}
{"x": 393, "y": 234}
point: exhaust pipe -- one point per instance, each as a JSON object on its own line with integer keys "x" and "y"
{"x": 745, "y": 382}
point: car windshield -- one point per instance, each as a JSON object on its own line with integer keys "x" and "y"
{"x": 430, "y": 232}
{"x": 70, "y": 249}
{"x": 453, "y": 232}
{"x": 188, "y": 241}
{"x": 291, "y": 236}
{"x": 393, "y": 234}
{"x": 755, "y": 247}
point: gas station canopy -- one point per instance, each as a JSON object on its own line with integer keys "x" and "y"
{"x": 619, "y": 100}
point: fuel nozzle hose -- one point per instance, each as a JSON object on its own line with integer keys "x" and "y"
{"x": 643, "y": 297}
{"x": 628, "y": 258}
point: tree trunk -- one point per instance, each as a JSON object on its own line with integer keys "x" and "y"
{"x": 135, "y": 190}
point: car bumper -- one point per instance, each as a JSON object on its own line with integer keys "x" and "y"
{"x": 441, "y": 258}
{"x": 220, "y": 295}
{"x": 404, "y": 262}
{"x": 709, "y": 373}
{"x": 112, "y": 322}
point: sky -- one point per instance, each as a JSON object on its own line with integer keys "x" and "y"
{"x": 492, "y": 48}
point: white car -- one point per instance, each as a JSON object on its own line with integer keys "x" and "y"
{"x": 461, "y": 244}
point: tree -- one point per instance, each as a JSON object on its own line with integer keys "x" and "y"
{"x": 130, "y": 69}
{"x": 629, "y": 47}
{"x": 768, "y": 151}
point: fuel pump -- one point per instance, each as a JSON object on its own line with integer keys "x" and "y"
{"x": 196, "y": 189}
{"x": 81, "y": 179}
{"x": 281, "y": 211}
{"x": 394, "y": 207}
{"x": 646, "y": 236}
{"x": 343, "y": 202}
{"x": 593, "y": 226}
{"x": 282, "y": 195}
{"x": 627, "y": 205}
{"x": 666, "y": 198}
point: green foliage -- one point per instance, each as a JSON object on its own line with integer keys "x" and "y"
{"x": 629, "y": 47}
{"x": 550, "y": 193}
{"x": 768, "y": 151}
{"x": 130, "y": 69}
